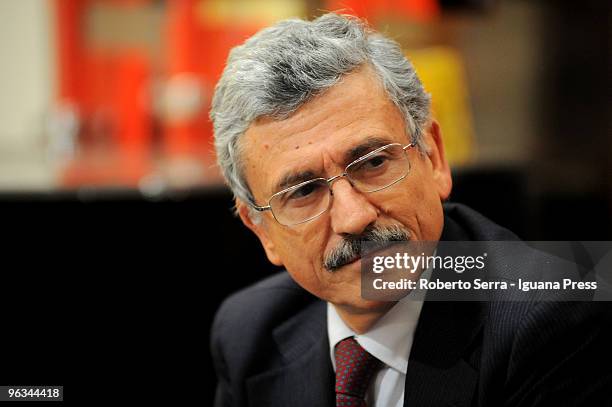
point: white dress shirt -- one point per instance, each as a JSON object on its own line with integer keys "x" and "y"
{"x": 389, "y": 340}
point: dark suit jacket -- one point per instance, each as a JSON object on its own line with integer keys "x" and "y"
{"x": 270, "y": 346}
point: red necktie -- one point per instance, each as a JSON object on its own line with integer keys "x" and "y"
{"x": 355, "y": 368}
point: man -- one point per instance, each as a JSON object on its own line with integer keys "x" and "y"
{"x": 324, "y": 134}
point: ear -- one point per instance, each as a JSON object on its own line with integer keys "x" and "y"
{"x": 440, "y": 167}
{"x": 260, "y": 231}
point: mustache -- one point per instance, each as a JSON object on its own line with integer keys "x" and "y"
{"x": 349, "y": 249}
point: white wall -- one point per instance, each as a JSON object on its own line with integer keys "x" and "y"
{"x": 26, "y": 91}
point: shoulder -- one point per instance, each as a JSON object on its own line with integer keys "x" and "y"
{"x": 561, "y": 347}
{"x": 268, "y": 300}
{"x": 464, "y": 223}
{"x": 243, "y": 327}
{"x": 258, "y": 300}
{"x": 243, "y": 342}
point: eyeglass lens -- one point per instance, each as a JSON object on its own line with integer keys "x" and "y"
{"x": 373, "y": 172}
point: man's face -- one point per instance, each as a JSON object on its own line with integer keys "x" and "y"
{"x": 316, "y": 139}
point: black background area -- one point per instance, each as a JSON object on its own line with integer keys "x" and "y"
{"x": 112, "y": 295}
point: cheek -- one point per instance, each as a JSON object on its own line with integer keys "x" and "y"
{"x": 303, "y": 252}
{"x": 415, "y": 204}
{"x": 304, "y": 268}
{"x": 428, "y": 212}
{"x": 302, "y": 249}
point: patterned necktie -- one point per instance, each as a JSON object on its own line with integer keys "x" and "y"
{"x": 355, "y": 368}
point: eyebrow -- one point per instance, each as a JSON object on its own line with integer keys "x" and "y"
{"x": 370, "y": 144}
{"x": 293, "y": 178}
{"x": 290, "y": 179}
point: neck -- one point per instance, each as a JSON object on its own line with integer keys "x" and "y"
{"x": 361, "y": 322}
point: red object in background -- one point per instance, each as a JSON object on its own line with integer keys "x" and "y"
{"x": 128, "y": 2}
{"x": 109, "y": 85}
{"x": 421, "y": 10}
{"x": 110, "y": 90}
{"x": 70, "y": 48}
{"x": 361, "y": 8}
{"x": 183, "y": 131}
{"x": 181, "y": 30}
{"x": 133, "y": 115}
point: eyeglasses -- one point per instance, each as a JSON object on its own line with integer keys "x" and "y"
{"x": 377, "y": 170}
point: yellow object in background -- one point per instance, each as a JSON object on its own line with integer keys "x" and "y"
{"x": 248, "y": 13}
{"x": 442, "y": 73}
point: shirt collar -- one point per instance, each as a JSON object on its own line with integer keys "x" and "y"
{"x": 389, "y": 340}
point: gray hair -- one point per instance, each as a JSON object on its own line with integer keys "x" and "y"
{"x": 282, "y": 67}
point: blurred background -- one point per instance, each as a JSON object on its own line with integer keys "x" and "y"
{"x": 118, "y": 230}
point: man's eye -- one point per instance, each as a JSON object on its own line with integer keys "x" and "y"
{"x": 303, "y": 191}
{"x": 375, "y": 162}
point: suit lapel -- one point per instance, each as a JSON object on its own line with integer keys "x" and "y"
{"x": 443, "y": 363}
{"x": 306, "y": 378}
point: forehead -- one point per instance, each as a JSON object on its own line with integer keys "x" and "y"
{"x": 320, "y": 133}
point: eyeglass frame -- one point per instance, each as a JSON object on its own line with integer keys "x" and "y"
{"x": 331, "y": 180}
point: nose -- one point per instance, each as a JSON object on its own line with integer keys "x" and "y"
{"x": 351, "y": 212}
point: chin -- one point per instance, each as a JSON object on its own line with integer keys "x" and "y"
{"x": 361, "y": 306}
